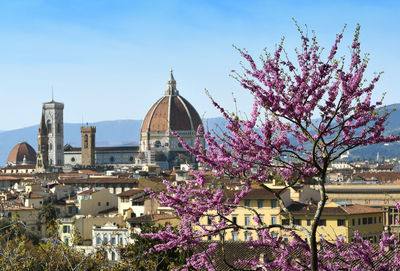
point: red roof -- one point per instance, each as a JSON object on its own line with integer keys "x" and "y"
{"x": 19, "y": 151}
{"x": 171, "y": 112}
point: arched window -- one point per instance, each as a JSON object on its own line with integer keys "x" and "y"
{"x": 86, "y": 142}
{"x": 112, "y": 256}
{"x": 157, "y": 144}
{"x": 73, "y": 159}
{"x": 49, "y": 126}
{"x": 131, "y": 158}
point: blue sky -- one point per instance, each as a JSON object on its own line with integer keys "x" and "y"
{"x": 111, "y": 59}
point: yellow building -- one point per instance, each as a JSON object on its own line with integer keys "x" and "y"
{"x": 260, "y": 200}
{"x": 339, "y": 219}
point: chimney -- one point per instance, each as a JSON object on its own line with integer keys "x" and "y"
{"x": 261, "y": 259}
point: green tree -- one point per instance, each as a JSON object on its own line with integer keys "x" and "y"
{"x": 48, "y": 217}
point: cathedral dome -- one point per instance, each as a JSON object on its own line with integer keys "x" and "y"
{"x": 22, "y": 153}
{"x": 171, "y": 112}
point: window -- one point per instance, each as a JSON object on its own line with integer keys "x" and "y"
{"x": 273, "y": 204}
{"x": 234, "y": 219}
{"x": 209, "y": 222}
{"x": 247, "y": 220}
{"x": 261, "y": 218}
{"x": 99, "y": 204}
{"x": 359, "y": 221}
{"x": 107, "y": 203}
{"x": 260, "y": 203}
{"x": 66, "y": 241}
{"x": 273, "y": 219}
{"x": 49, "y": 126}
{"x": 308, "y": 222}
{"x": 157, "y": 144}
{"x": 374, "y": 219}
{"x": 285, "y": 221}
{"x": 247, "y": 236}
{"x": 98, "y": 240}
{"x": 86, "y": 141}
{"x": 105, "y": 240}
{"x": 131, "y": 158}
{"x": 297, "y": 221}
{"x": 112, "y": 256}
{"x": 247, "y": 203}
{"x": 113, "y": 240}
{"x": 112, "y": 159}
{"x": 353, "y": 221}
{"x": 369, "y": 220}
{"x": 73, "y": 159}
{"x": 9, "y": 215}
{"x": 341, "y": 222}
{"x": 234, "y": 236}
{"x": 380, "y": 219}
{"x": 322, "y": 222}
{"x": 365, "y": 220}
{"x": 66, "y": 229}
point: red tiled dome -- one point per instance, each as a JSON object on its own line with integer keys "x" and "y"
{"x": 172, "y": 112}
{"x": 20, "y": 151}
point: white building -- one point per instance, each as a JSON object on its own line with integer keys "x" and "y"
{"x": 111, "y": 237}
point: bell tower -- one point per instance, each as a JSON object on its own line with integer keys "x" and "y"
{"x": 88, "y": 146}
{"x": 53, "y": 115}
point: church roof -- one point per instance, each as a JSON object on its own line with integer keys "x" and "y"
{"x": 171, "y": 112}
{"x": 20, "y": 151}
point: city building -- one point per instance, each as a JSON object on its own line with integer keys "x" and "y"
{"x": 22, "y": 154}
{"x": 171, "y": 113}
{"x": 110, "y": 237}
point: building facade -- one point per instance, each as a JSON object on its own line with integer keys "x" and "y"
{"x": 171, "y": 113}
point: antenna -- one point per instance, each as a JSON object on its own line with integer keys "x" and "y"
{"x": 52, "y": 94}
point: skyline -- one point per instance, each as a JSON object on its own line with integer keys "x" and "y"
{"x": 109, "y": 62}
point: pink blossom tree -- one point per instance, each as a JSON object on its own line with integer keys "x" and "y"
{"x": 306, "y": 114}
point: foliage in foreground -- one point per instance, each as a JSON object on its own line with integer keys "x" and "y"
{"x": 22, "y": 250}
{"x": 137, "y": 256}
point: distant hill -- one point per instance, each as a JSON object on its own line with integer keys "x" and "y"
{"x": 127, "y": 132}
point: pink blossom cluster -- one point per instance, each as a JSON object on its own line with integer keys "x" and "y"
{"x": 305, "y": 115}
